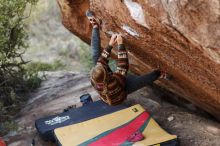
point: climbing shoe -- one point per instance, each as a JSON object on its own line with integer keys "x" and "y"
{"x": 92, "y": 19}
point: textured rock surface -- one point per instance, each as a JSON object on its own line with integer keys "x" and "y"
{"x": 62, "y": 89}
{"x": 182, "y": 36}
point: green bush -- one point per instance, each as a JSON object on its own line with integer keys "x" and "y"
{"x": 86, "y": 58}
{"x": 15, "y": 80}
{"x": 41, "y": 66}
{"x": 35, "y": 72}
{"x": 8, "y": 126}
{"x": 13, "y": 38}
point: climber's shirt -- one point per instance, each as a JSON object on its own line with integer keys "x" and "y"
{"x": 112, "y": 90}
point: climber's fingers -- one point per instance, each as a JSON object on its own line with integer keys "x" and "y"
{"x": 165, "y": 75}
{"x": 119, "y": 39}
{"x": 92, "y": 20}
{"x": 113, "y": 39}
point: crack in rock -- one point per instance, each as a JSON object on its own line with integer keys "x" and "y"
{"x": 130, "y": 30}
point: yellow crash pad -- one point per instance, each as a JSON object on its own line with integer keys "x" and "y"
{"x": 114, "y": 129}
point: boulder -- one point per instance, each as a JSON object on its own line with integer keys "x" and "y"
{"x": 180, "y": 36}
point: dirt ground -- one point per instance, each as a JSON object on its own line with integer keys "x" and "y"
{"x": 193, "y": 126}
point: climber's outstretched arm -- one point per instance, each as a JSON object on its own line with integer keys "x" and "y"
{"x": 95, "y": 38}
{"x": 122, "y": 62}
{"x": 95, "y": 45}
{"x": 103, "y": 59}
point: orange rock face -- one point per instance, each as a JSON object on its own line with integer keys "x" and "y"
{"x": 181, "y": 36}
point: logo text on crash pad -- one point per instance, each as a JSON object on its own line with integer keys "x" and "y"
{"x": 57, "y": 120}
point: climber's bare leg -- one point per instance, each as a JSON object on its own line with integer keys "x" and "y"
{"x": 95, "y": 38}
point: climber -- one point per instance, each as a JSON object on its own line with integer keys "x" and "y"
{"x": 113, "y": 87}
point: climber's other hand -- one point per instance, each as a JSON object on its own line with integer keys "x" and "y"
{"x": 113, "y": 40}
{"x": 119, "y": 39}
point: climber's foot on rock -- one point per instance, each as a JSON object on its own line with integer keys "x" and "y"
{"x": 164, "y": 75}
{"x": 90, "y": 15}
